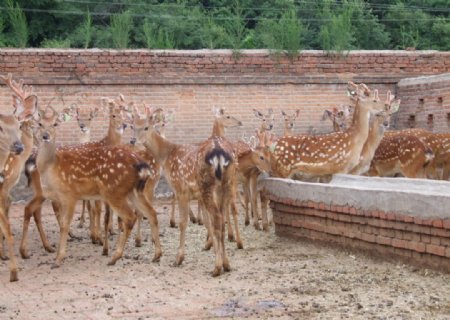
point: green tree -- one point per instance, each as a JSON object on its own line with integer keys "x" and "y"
{"x": 120, "y": 27}
{"x": 18, "y": 23}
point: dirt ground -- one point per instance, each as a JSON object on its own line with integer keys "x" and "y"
{"x": 272, "y": 277}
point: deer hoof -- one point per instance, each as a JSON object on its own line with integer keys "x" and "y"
{"x": 55, "y": 266}
{"x": 13, "y": 276}
{"x": 173, "y": 224}
{"x": 49, "y": 249}
{"x": 105, "y": 252}
{"x": 179, "y": 260}
{"x": 226, "y": 267}
{"x": 240, "y": 245}
{"x": 24, "y": 254}
{"x": 247, "y": 222}
{"x": 156, "y": 258}
{"x": 138, "y": 242}
{"x": 4, "y": 258}
{"x": 266, "y": 228}
{"x": 112, "y": 262}
{"x": 231, "y": 237}
{"x": 216, "y": 272}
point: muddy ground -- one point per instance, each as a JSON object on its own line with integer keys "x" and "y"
{"x": 272, "y": 277}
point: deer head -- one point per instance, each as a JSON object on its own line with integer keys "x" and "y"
{"x": 24, "y": 100}
{"x": 117, "y": 112}
{"x": 289, "y": 121}
{"x": 47, "y": 121}
{"x": 267, "y": 120}
{"x": 337, "y": 117}
{"x": 85, "y": 116}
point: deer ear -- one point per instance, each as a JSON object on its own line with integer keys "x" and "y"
{"x": 395, "y": 105}
{"x": 283, "y": 113}
{"x": 95, "y": 112}
{"x": 326, "y": 114}
{"x": 30, "y": 106}
{"x": 258, "y": 114}
{"x": 297, "y": 113}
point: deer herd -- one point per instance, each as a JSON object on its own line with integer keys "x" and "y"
{"x": 122, "y": 177}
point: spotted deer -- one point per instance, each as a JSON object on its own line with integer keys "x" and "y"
{"x": 33, "y": 208}
{"x": 439, "y": 167}
{"x": 84, "y": 119}
{"x": 289, "y": 122}
{"x": 205, "y": 171}
{"x": 252, "y": 162}
{"x": 332, "y": 153}
{"x": 337, "y": 117}
{"x": 112, "y": 174}
{"x": 378, "y": 125}
{"x": 13, "y": 152}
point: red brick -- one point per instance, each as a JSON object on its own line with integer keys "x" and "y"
{"x": 438, "y": 223}
{"x": 384, "y": 240}
{"x": 416, "y": 246}
{"x": 434, "y": 249}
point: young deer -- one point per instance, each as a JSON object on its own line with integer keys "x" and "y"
{"x": 205, "y": 171}
{"x": 327, "y": 154}
{"x": 337, "y": 117}
{"x": 289, "y": 121}
{"x": 84, "y": 119}
{"x": 13, "y": 153}
{"x": 111, "y": 174}
{"x": 378, "y": 125}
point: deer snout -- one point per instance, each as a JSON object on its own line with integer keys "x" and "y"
{"x": 133, "y": 141}
{"x": 270, "y": 126}
{"x": 17, "y": 147}
{"x": 46, "y": 136}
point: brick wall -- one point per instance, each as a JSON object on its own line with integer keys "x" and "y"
{"x": 191, "y": 82}
{"x": 369, "y": 214}
{"x": 425, "y": 103}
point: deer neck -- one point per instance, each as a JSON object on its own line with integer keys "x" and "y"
{"x": 160, "y": 147}
{"x": 113, "y": 138}
{"x": 287, "y": 131}
{"x": 218, "y": 129}
{"x": 85, "y": 137}
{"x": 360, "y": 124}
{"x": 46, "y": 156}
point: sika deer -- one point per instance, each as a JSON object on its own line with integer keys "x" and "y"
{"x": 12, "y": 154}
{"x": 337, "y": 117}
{"x": 379, "y": 123}
{"x": 205, "y": 171}
{"x": 289, "y": 121}
{"x": 111, "y": 174}
{"x": 84, "y": 119}
{"x": 336, "y": 152}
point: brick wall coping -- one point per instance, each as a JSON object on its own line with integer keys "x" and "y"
{"x": 424, "y": 80}
{"x": 365, "y": 196}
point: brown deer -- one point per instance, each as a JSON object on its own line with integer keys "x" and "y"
{"x": 327, "y": 154}
{"x": 289, "y": 122}
{"x": 404, "y": 154}
{"x": 205, "y": 171}
{"x": 378, "y": 125}
{"x": 84, "y": 119}
{"x": 13, "y": 153}
{"x": 33, "y": 208}
{"x": 337, "y": 117}
{"x": 111, "y": 174}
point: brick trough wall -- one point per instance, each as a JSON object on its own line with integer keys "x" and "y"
{"x": 191, "y": 82}
{"x": 420, "y": 238}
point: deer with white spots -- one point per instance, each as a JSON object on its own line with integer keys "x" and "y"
{"x": 337, "y": 117}
{"x": 84, "y": 119}
{"x": 33, "y": 208}
{"x": 110, "y": 174}
{"x": 16, "y": 142}
{"x": 289, "y": 122}
{"x": 205, "y": 171}
{"x": 378, "y": 125}
{"x": 337, "y": 152}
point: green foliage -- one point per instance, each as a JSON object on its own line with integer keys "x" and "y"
{"x": 157, "y": 38}
{"x": 56, "y": 43}
{"x": 336, "y": 34}
{"x": 120, "y": 27}
{"x": 281, "y": 25}
{"x": 18, "y": 23}
{"x": 2, "y": 35}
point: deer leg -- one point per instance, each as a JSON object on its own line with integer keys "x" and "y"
{"x": 264, "y": 211}
{"x": 246, "y": 202}
{"x": 2, "y": 236}
{"x": 106, "y": 221}
{"x": 98, "y": 218}
{"x": 147, "y": 209}
{"x": 138, "y": 239}
{"x": 6, "y": 230}
{"x": 173, "y": 224}
{"x": 128, "y": 219}
{"x": 217, "y": 233}
{"x": 254, "y": 202}
{"x": 199, "y": 215}
{"x": 110, "y": 221}
{"x": 67, "y": 211}
{"x": 236, "y": 225}
{"x": 228, "y": 222}
{"x": 208, "y": 226}
{"x": 37, "y": 216}
{"x": 83, "y": 212}
{"x": 183, "y": 204}
{"x": 446, "y": 172}
{"x": 192, "y": 216}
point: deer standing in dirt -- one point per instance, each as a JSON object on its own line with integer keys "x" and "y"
{"x": 111, "y": 174}
{"x": 84, "y": 119}
{"x": 205, "y": 171}
{"x": 16, "y": 142}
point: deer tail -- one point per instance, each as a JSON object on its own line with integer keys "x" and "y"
{"x": 144, "y": 172}
{"x": 219, "y": 159}
{"x": 429, "y": 156}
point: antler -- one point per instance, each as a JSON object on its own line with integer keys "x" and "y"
{"x": 21, "y": 90}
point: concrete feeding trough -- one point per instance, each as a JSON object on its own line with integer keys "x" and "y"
{"x": 396, "y": 217}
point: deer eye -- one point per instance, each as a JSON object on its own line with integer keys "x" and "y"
{"x": 113, "y": 115}
{"x": 1, "y": 129}
{"x": 131, "y": 126}
{"x": 55, "y": 124}
{"x": 261, "y": 158}
{"x": 146, "y": 128}
{"x": 228, "y": 117}
{"x": 40, "y": 124}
